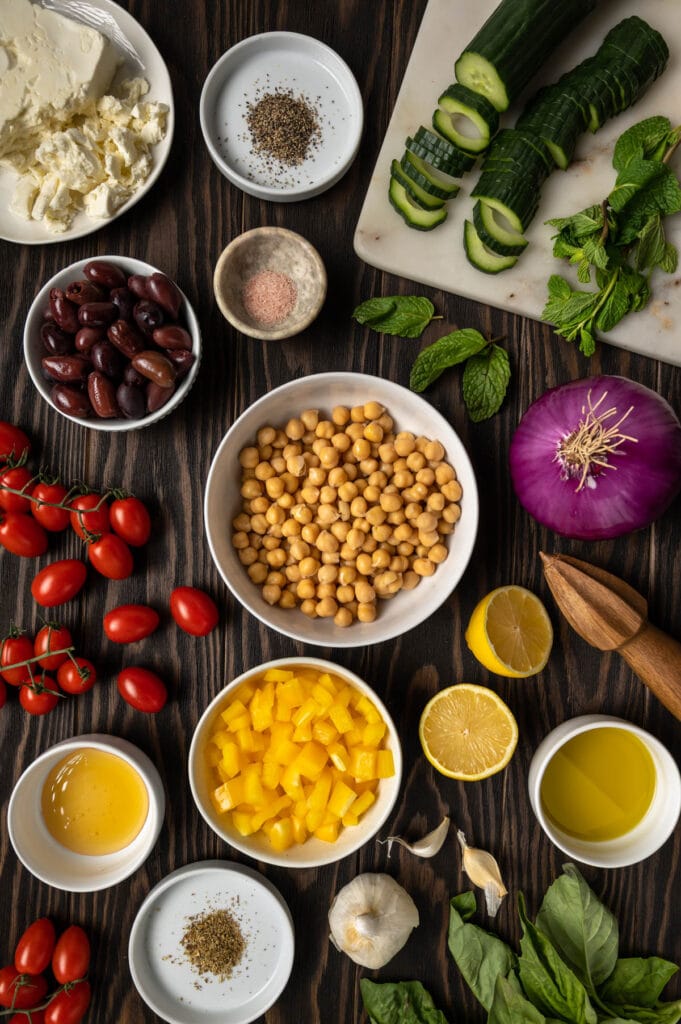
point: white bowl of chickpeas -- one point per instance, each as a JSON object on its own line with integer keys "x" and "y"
{"x": 341, "y": 509}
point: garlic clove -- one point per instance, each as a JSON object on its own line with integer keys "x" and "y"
{"x": 371, "y": 919}
{"x": 427, "y": 846}
{"x": 483, "y": 871}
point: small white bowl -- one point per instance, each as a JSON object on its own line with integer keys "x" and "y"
{"x": 223, "y": 502}
{"x": 314, "y": 852}
{"x": 650, "y": 833}
{"x": 267, "y": 63}
{"x": 34, "y": 351}
{"x": 51, "y": 862}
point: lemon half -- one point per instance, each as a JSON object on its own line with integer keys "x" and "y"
{"x": 510, "y": 632}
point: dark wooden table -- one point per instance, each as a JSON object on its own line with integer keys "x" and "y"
{"x": 181, "y": 226}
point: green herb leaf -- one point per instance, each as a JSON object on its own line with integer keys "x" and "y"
{"x": 670, "y": 258}
{"x": 660, "y": 193}
{"x": 616, "y": 306}
{"x": 406, "y": 316}
{"x": 650, "y": 247}
{"x": 401, "y": 1002}
{"x": 582, "y": 224}
{"x": 638, "y": 980}
{"x": 510, "y": 1006}
{"x": 661, "y": 1013}
{"x": 448, "y": 351}
{"x": 480, "y": 956}
{"x": 485, "y": 381}
{"x": 587, "y": 342}
{"x": 642, "y": 140}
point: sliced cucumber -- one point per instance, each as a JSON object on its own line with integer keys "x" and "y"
{"x": 501, "y": 240}
{"x": 453, "y": 163}
{"x": 480, "y": 256}
{"x": 415, "y": 216}
{"x": 458, "y": 102}
{"x": 414, "y": 189}
{"x": 430, "y": 180}
{"x": 510, "y": 196}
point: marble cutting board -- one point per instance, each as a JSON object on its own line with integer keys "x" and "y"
{"x": 437, "y": 257}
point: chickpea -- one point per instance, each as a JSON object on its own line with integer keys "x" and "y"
{"x": 347, "y": 574}
{"x": 361, "y": 484}
{"x": 341, "y": 442}
{"x": 355, "y": 431}
{"x": 435, "y": 502}
{"x": 370, "y": 544}
{"x": 372, "y": 410}
{"x": 325, "y": 430}
{"x": 387, "y": 453}
{"x": 351, "y": 470}
{"x": 309, "y": 566}
{"x": 327, "y": 495}
{"x": 388, "y": 583}
{"x": 266, "y": 435}
{"x": 327, "y": 542}
{"x": 373, "y": 432}
{"x": 347, "y": 491}
{"x": 259, "y": 505}
{"x": 275, "y": 515}
{"x": 366, "y": 612}
{"x": 327, "y": 514}
{"x": 444, "y": 473}
{"x": 292, "y": 573}
{"x": 343, "y": 618}
{"x": 426, "y": 521}
{"x": 413, "y": 510}
{"x": 376, "y": 515}
{"x": 437, "y": 553}
{"x": 357, "y": 414}
{"x": 240, "y": 540}
{"x": 265, "y": 452}
{"x": 296, "y": 465}
{"x": 280, "y": 440}
{"x": 344, "y": 510}
{"x": 396, "y": 518}
{"x": 364, "y": 564}
{"x": 368, "y": 466}
{"x": 329, "y": 457}
{"x": 274, "y": 487}
{"x": 452, "y": 490}
{"x": 403, "y": 478}
{"x": 426, "y": 476}
{"x": 276, "y": 578}
{"x": 386, "y": 422}
{"x": 340, "y": 530}
{"x": 391, "y": 502}
{"x": 290, "y": 482}
{"x": 345, "y": 593}
{"x": 330, "y": 558}
{"x": 257, "y": 572}
{"x": 287, "y": 600}
{"x": 247, "y": 556}
{"x": 276, "y": 558}
{"x": 451, "y": 513}
{"x": 327, "y": 574}
{"x": 306, "y": 589}
{"x": 423, "y": 567}
{"x": 404, "y": 548}
{"x": 309, "y": 608}
{"x": 416, "y": 461}
{"x": 410, "y": 580}
{"x": 271, "y": 593}
{"x": 405, "y": 444}
{"x": 325, "y": 590}
{"x": 255, "y": 540}
{"x": 364, "y": 591}
{"x": 299, "y": 550}
{"x": 290, "y": 528}
{"x": 381, "y": 533}
{"x": 241, "y": 522}
{"x": 340, "y": 415}
{"x": 371, "y": 494}
{"x": 271, "y": 541}
{"x": 336, "y": 477}
{"x": 398, "y": 563}
{"x": 428, "y": 537}
{"x": 361, "y": 449}
{"x": 310, "y": 418}
{"x": 380, "y": 559}
{"x": 355, "y": 539}
{"x": 251, "y": 489}
{"x": 445, "y": 528}
{"x": 310, "y": 532}
{"x": 310, "y": 495}
{"x": 259, "y": 524}
{"x": 294, "y": 429}
{"x": 327, "y": 608}
{"x": 358, "y": 507}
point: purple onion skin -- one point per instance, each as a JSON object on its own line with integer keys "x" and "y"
{"x": 613, "y": 501}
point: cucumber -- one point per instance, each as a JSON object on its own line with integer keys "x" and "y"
{"x": 558, "y": 126}
{"x": 502, "y": 241}
{"x": 459, "y": 102}
{"x": 415, "y": 216}
{"x": 454, "y": 162}
{"x": 480, "y": 256}
{"x": 414, "y": 189}
{"x": 510, "y": 195}
{"x": 523, "y": 148}
{"x": 430, "y": 180}
{"x": 513, "y": 44}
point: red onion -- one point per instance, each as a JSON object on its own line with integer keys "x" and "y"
{"x": 597, "y": 458}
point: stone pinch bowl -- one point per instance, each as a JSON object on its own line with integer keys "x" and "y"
{"x": 278, "y": 250}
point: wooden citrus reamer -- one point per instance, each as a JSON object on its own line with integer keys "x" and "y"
{"x": 612, "y": 616}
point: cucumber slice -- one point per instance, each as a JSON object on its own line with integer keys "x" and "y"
{"x": 480, "y": 256}
{"x": 443, "y": 147}
{"x": 414, "y": 216}
{"x": 501, "y": 240}
{"x": 430, "y": 180}
{"x": 510, "y": 196}
{"x": 440, "y": 161}
{"x": 414, "y": 189}
{"x": 458, "y": 102}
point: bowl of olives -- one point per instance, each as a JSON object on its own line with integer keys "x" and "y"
{"x": 112, "y": 343}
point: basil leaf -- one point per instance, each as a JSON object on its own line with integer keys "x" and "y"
{"x": 638, "y": 980}
{"x": 448, "y": 351}
{"x": 510, "y": 1006}
{"x": 406, "y": 316}
{"x": 661, "y": 1013}
{"x": 485, "y": 380}
{"x": 581, "y": 928}
{"x": 641, "y": 140}
{"x": 401, "y": 1002}
{"x": 548, "y": 982}
{"x": 480, "y": 956}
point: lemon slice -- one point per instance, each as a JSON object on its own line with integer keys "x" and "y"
{"x": 510, "y": 633}
{"x": 467, "y": 732}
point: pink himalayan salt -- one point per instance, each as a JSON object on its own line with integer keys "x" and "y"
{"x": 269, "y": 297}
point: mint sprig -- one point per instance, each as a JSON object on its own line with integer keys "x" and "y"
{"x": 405, "y": 316}
{"x": 486, "y": 372}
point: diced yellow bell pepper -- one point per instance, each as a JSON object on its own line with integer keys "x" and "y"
{"x": 339, "y": 756}
{"x": 231, "y": 760}
{"x": 283, "y": 751}
{"x": 365, "y": 708}
{"x": 307, "y": 712}
{"x": 328, "y": 683}
{"x": 282, "y": 712}
{"x": 213, "y": 757}
{"x": 220, "y": 737}
{"x": 271, "y": 774}
{"x": 242, "y": 721}
{"x": 311, "y": 760}
{"x": 363, "y": 803}
{"x": 246, "y": 691}
{"x": 303, "y": 733}
{"x": 341, "y": 799}
{"x": 299, "y": 828}
{"x": 271, "y": 810}
{"x": 243, "y": 823}
{"x": 281, "y": 834}
{"x": 290, "y": 693}
{"x": 324, "y": 731}
{"x": 349, "y": 820}
{"x": 229, "y": 794}
{"x": 246, "y": 740}
{"x": 354, "y": 736}
{"x": 313, "y": 820}
{"x": 385, "y": 765}
{"x": 232, "y": 711}
{"x": 253, "y": 789}
{"x": 319, "y": 796}
{"x": 261, "y": 709}
{"x": 322, "y": 696}
{"x": 329, "y": 832}
{"x": 341, "y": 717}
{"x": 277, "y": 675}
{"x": 373, "y": 734}
{"x": 362, "y": 764}
{"x": 291, "y": 784}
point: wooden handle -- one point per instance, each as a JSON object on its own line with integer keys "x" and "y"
{"x": 655, "y": 657}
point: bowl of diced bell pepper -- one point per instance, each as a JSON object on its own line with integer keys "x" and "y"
{"x": 297, "y": 762}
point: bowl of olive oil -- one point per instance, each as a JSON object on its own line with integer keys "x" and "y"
{"x": 605, "y": 791}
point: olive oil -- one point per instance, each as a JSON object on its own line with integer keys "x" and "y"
{"x": 94, "y": 802}
{"x": 599, "y": 785}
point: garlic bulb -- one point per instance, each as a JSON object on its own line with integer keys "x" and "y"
{"x": 371, "y": 918}
{"x": 426, "y": 846}
{"x": 483, "y": 871}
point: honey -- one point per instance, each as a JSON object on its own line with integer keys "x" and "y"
{"x": 94, "y": 802}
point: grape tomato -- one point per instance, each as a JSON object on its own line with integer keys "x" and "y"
{"x": 90, "y": 516}
{"x": 52, "y": 637}
{"x": 71, "y": 957}
{"x": 77, "y": 676}
{"x": 19, "y": 479}
{"x": 142, "y": 689}
{"x": 130, "y": 519}
{"x": 35, "y": 947}
{"x": 52, "y": 519}
{"x": 58, "y": 582}
{"x": 194, "y": 611}
{"x": 13, "y": 441}
{"x": 130, "y": 622}
{"x": 14, "y": 648}
{"x": 22, "y": 535}
{"x": 111, "y": 557}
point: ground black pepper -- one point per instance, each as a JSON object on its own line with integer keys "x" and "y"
{"x": 214, "y": 943}
{"x": 283, "y": 126}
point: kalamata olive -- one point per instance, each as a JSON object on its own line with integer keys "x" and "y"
{"x": 172, "y": 336}
{"x": 125, "y": 300}
{"x": 133, "y": 377}
{"x": 55, "y": 341}
{"x": 148, "y": 316}
{"x": 65, "y": 313}
{"x": 102, "y": 394}
{"x": 87, "y": 337}
{"x": 126, "y": 338}
{"x": 66, "y": 369}
{"x": 157, "y": 397}
{"x": 155, "y": 367}
{"x": 132, "y": 400}
{"x": 81, "y": 292}
{"x": 105, "y": 274}
{"x": 107, "y": 359}
{"x": 164, "y": 291}
{"x": 137, "y": 283}
{"x": 96, "y": 314}
{"x": 181, "y": 360}
{"x": 71, "y": 400}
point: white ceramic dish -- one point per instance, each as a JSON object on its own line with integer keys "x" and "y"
{"x": 51, "y": 862}
{"x": 166, "y": 980}
{"x": 110, "y": 19}
{"x": 268, "y": 63}
{"x": 650, "y": 833}
{"x": 222, "y": 503}
{"x": 34, "y": 351}
{"x": 314, "y": 852}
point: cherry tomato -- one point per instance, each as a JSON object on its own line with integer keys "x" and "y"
{"x": 3, "y": 693}
{"x": 53, "y": 519}
{"x": 142, "y": 689}
{"x": 71, "y": 957}
{"x": 69, "y": 1005}
{"x": 22, "y": 535}
{"x": 130, "y": 622}
{"x": 13, "y": 441}
{"x": 111, "y": 556}
{"x": 21, "y": 991}
{"x": 17, "y": 478}
{"x": 15, "y": 647}
{"x": 77, "y": 678}
{"x": 131, "y": 520}
{"x": 89, "y": 524}
{"x": 58, "y": 582}
{"x": 38, "y": 701}
{"x": 52, "y": 638}
{"x": 36, "y": 1017}
{"x": 35, "y": 947}
{"x": 193, "y": 610}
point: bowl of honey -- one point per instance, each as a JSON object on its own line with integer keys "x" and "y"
{"x": 86, "y": 813}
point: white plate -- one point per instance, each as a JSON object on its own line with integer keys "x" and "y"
{"x": 166, "y": 980}
{"x": 153, "y": 68}
{"x": 266, "y": 63}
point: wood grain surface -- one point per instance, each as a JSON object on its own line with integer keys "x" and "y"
{"x": 181, "y": 226}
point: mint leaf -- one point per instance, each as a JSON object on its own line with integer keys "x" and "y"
{"x": 595, "y": 252}
{"x": 649, "y": 250}
{"x": 558, "y": 287}
{"x": 587, "y": 342}
{"x": 485, "y": 380}
{"x": 447, "y": 351}
{"x": 670, "y": 258}
{"x": 642, "y": 140}
{"x": 406, "y": 316}
{"x": 616, "y": 306}
{"x": 637, "y": 175}
{"x": 579, "y": 225}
